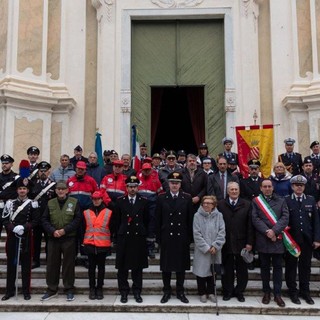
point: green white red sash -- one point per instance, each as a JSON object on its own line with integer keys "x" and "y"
{"x": 288, "y": 241}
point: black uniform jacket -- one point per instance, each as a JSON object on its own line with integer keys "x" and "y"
{"x": 174, "y": 231}
{"x": 131, "y": 224}
{"x": 303, "y": 219}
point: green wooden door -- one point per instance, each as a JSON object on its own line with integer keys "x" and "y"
{"x": 179, "y": 53}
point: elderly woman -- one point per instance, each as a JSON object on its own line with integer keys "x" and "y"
{"x": 280, "y": 178}
{"x": 209, "y": 237}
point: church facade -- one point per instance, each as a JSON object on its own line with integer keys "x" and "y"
{"x": 71, "y": 68}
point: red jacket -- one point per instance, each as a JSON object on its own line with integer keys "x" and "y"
{"x": 114, "y": 185}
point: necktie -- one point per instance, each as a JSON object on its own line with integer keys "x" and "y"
{"x": 222, "y": 184}
{"x": 175, "y": 197}
{"x": 131, "y": 201}
{"x": 233, "y": 203}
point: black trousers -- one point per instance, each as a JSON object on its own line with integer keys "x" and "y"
{"x": 12, "y": 246}
{"x": 234, "y": 264}
{"x": 123, "y": 284}
{"x": 37, "y": 239}
{"x": 205, "y": 285}
{"x": 276, "y": 259}
{"x": 303, "y": 262}
{"x": 166, "y": 278}
{"x": 96, "y": 260}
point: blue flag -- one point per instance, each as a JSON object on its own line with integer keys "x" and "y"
{"x": 98, "y": 149}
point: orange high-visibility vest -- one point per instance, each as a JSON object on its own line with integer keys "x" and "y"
{"x": 97, "y": 230}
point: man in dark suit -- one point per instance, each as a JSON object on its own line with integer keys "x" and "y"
{"x": 239, "y": 235}
{"x": 131, "y": 219}
{"x": 292, "y": 160}
{"x": 174, "y": 234}
{"x": 217, "y": 183}
{"x": 250, "y": 187}
{"x": 194, "y": 181}
{"x": 305, "y": 230}
{"x": 269, "y": 241}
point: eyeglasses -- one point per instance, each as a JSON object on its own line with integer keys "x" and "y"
{"x": 208, "y": 203}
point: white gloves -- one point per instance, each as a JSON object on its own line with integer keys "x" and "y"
{"x": 19, "y": 230}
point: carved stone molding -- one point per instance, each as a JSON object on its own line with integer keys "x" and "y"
{"x": 251, "y": 7}
{"x": 230, "y": 100}
{"x": 176, "y": 3}
{"x": 104, "y": 9}
{"x": 125, "y": 101}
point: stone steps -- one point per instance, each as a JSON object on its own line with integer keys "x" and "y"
{"x": 111, "y": 303}
{"x": 152, "y": 292}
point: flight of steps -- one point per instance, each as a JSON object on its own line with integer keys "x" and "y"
{"x": 152, "y": 292}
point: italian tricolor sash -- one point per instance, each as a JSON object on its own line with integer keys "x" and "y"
{"x": 288, "y": 241}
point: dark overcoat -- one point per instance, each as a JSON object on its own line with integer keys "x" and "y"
{"x": 131, "y": 225}
{"x": 174, "y": 231}
{"x": 238, "y": 224}
{"x": 262, "y": 224}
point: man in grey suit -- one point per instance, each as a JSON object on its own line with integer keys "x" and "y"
{"x": 217, "y": 183}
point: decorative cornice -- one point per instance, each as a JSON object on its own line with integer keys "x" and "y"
{"x": 176, "y": 3}
{"x": 125, "y": 101}
{"x": 35, "y": 97}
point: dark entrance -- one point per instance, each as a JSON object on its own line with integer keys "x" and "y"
{"x": 177, "y": 118}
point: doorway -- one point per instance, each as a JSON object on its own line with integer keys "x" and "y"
{"x": 179, "y": 58}
{"x": 177, "y": 118}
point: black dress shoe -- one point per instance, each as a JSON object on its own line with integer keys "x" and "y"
{"x": 138, "y": 298}
{"x": 295, "y": 299}
{"x": 124, "y": 298}
{"x": 7, "y": 296}
{"x": 35, "y": 265}
{"x": 165, "y": 298}
{"x": 226, "y": 297}
{"x": 182, "y": 298}
{"x": 279, "y": 301}
{"x": 26, "y": 296}
{"x": 266, "y": 298}
{"x": 240, "y": 297}
{"x": 307, "y": 298}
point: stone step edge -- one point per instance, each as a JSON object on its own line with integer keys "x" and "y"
{"x": 111, "y": 303}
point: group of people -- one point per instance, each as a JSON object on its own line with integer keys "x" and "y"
{"x": 172, "y": 199}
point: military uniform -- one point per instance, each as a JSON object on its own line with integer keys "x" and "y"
{"x": 28, "y": 218}
{"x": 292, "y": 161}
{"x": 174, "y": 235}
{"x": 131, "y": 220}
{"x": 42, "y": 198}
{"x": 6, "y": 180}
{"x": 305, "y": 229}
